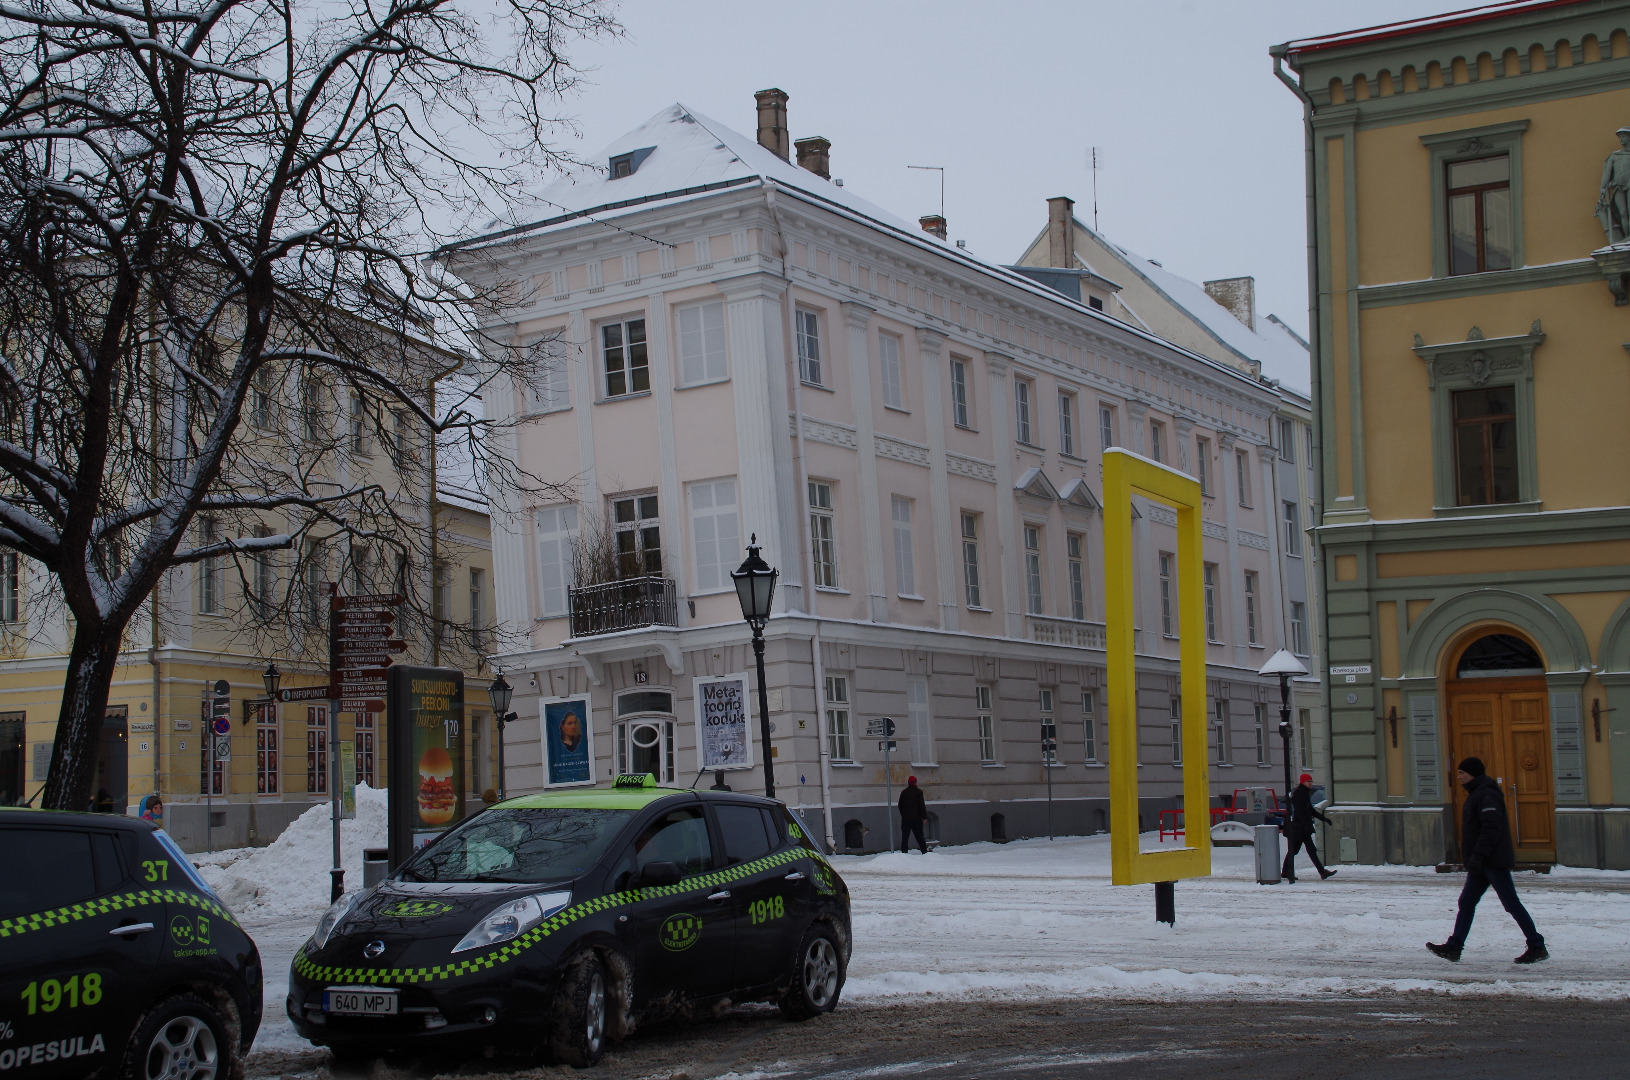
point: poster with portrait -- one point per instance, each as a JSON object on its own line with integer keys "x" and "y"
{"x": 724, "y": 716}
{"x": 568, "y": 741}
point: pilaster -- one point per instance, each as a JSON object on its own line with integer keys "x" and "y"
{"x": 513, "y": 599}
{"x": 1007, "y": 527}
{"x": 856, "y": 319}
{"x": 930, "y": 346}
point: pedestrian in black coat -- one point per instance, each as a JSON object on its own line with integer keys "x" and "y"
{"x": 1298, "y": 829}
{"x": 1489, "y": 854}
{"x": 913, "y": 813}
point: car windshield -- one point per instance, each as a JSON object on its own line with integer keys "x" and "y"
{"x": 549, "y": 844}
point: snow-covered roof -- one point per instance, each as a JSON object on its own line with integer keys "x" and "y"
{"x": 1282, "y": 355}
{"x": 682, "y": 154}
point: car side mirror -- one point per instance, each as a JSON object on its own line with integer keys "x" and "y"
{"x": 657, "y": 873}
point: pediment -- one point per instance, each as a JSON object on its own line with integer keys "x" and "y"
{"x": 1033, "y": 482}
{"x": 1077, "y": 493}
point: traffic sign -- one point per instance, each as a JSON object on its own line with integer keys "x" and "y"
{"x": 891, "y": 746}
{"x": 222, "y": 726}
{"x": 364, "y": 616}
{"x": 882, "y": 727}
{"x": 366, "y": 600}
{"x": 355, "y": 705}
{"x": 223, "y": 748}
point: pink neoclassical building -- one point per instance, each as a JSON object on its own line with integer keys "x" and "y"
{"x": 731, "y": 343}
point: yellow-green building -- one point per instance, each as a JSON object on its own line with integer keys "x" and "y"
{"x": 1470, "y": 388}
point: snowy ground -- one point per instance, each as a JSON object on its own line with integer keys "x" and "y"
{"x": 1036, "y": 919}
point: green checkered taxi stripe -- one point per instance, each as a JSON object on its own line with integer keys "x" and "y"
{"x": 557, "y": 922}
{"x": 108, "y": 905}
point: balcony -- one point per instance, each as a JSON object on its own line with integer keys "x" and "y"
{"x": 624, "y": 605}
{"x": 1077, "y": 635}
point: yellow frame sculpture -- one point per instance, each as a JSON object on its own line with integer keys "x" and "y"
{"x": 1127, "y": 474}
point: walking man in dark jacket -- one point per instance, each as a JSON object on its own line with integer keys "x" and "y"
{"x": 913, "y": 813}
{"x": 1298, "y": 829}
{"x": 1485, "y": 845}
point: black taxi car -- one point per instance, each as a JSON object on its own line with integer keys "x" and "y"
{"x": 115, "y": 958}
{"x": 558, "y": 921}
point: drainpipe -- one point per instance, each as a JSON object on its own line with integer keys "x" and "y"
{"x": 824, "y": 752}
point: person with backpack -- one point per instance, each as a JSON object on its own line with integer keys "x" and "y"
{"x": 1489, "y": 854}
{"x": 1298, "y": 830}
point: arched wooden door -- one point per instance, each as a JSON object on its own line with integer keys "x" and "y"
{"x": 1498, "y": 712}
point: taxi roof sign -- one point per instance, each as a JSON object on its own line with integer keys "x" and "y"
{"x": 635, "y": 780}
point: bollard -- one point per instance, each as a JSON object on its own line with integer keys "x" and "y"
{"x": 1166, "y": 902}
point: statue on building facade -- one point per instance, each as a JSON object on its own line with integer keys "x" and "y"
{"x": 1613, "y": 203}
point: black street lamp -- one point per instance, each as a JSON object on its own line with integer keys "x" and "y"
{"x": 755, "y": 588}
{"x": 1284, "y": 665}
{"x": 271, "y": 677}
{"x": 498, "y": 695}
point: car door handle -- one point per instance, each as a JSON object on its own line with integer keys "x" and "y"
{"x": 722, "y": 894}
{"x": 796, "y": 875}
{"x": 131, "y": 929}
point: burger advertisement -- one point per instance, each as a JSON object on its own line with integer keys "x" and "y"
{"x": 425, "y": 707}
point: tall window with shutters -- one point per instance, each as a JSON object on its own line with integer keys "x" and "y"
{"x": 556, "y": 528}
{"x": 905, "y": 563}
{"x": 888, "y": 367}
{"x": 715, "y": 533}
{"x": 701, "y": 340}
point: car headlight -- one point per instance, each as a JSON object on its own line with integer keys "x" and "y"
{"x": 336, "y": 913}
{"x": 511, "y": 919}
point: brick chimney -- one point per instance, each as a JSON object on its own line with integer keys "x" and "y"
{"x": 1238, "y": 295}
{"x": 772, "y": 123}
{"x": 815, "y": 154}
{"x": 933, "y": 223}
{"x": 1061, "y": 233}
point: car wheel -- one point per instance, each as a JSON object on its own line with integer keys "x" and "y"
{"x": 578, "y": 1034}
{"x": 182, "y": 1038}
{"x": 817, "y": 976}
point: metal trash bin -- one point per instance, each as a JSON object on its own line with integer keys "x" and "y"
{"x": 376, "y": 863}
{"x": 1268, "y": 858}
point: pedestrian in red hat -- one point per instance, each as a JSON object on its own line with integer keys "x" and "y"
{"x": 913, "y": 814}
{"x": 1298, "y": 829}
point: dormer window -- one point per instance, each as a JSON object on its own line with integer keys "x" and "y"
{"x": 627, "y": 164}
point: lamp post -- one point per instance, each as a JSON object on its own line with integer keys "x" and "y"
{"x": 755, "y": 588}
{"x": 498, "y": 695}
{"x": 1284, "y": 665}
{"x": 270, "y": 678}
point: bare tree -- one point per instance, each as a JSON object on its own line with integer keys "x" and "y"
{"x": 207, "y": 201}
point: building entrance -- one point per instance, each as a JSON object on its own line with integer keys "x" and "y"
{"x": 1498, "y": 712}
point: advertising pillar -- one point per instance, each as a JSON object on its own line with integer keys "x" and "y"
{"x": 424, "y": 707}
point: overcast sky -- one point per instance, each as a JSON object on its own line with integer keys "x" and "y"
{"x": 1201, "y": 146}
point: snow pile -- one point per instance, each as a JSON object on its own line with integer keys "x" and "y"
{"x": 289, "y": 877}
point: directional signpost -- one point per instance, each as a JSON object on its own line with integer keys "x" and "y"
{"x": 883, "y": 728}
{"x": 360, "y": 647}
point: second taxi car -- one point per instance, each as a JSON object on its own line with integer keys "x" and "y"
{"x": 561, "y": 920}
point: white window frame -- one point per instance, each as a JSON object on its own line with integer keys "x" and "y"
{"x": 1023, "y": 429}
{"x": 961, "y": 399}
{"x": 1298, "y": 628}
{"x": 808, "y": 323}
{"x": 1106, "y": 426}
{"x": 549, "y": 389}
{"x": 888, "y": 369}
{"x": 1219, "y": 721}
{"x": 555, "y": 533}
{"x": 702, "y": 343}
{"x": 1034, "y": 587}
{"x": 1251, "y": 634}
{"x": 211, "y": 571}
{"x": 920, "y": 722}
{"x": 840, "y": 741}
{"x": 1177, "y": 729}
{"x": 970, "y": 561}
{"x": 357, "y": 425}
{"x": 1260, "y": 720}
{"x": 11, "y": 591}
{"x": 1242, "y": 477}
{"x": 1209, "y": 579}
{"x": 1165, "y": 567}
{"x": 1157, "y": 441}
{"x": 1075, "y": 545}
{"x": 1292, "y": 518}
{"x": 1304, "y": 736}
{"x": 985, "y": 723}
{"x": 905, "y": 563}
{"x": 1066, "y": 422}
{"x": 823, "y": 546}
{"x": 715, "y": 533}
{"x": 1202, "y": 465}
{"x": 1045, "y": 702}
{"x": 627, "y": 369}
{"x": 1287, "y": 440}
{"x": 636, "y": 560}
{"x": 478, "y": 608}
{"x": 1089, "y": 725}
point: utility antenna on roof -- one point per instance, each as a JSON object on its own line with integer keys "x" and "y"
{"x": 1097, "y": 160}
{"x": 941, "y": 170}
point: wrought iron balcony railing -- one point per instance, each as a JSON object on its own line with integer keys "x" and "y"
{"x": 624, "y": 605}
